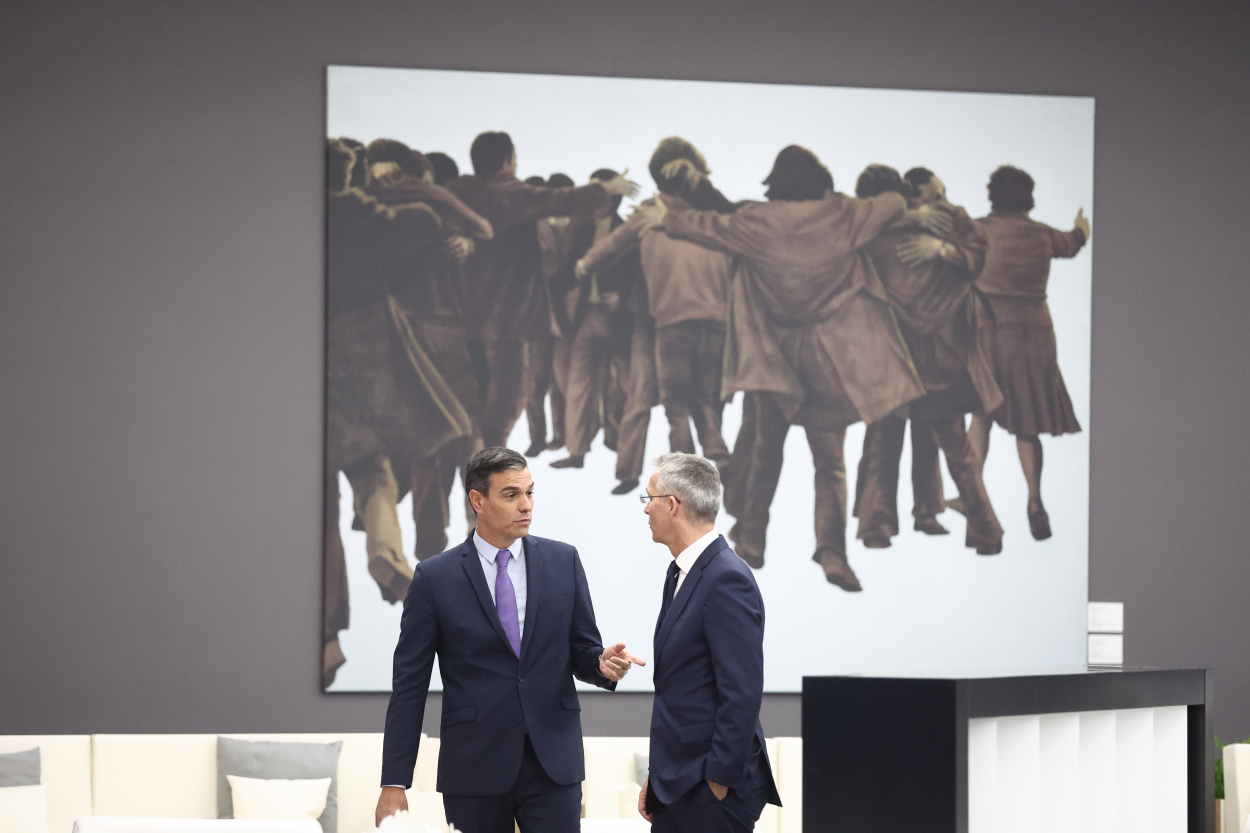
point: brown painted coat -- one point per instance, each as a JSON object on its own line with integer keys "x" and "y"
{"x": 802, "y": 266}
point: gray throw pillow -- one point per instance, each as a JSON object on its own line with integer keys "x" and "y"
{"x": 278, "y": 759}
{"x": 642, "y": 768}
{"x": 20, "y": 769}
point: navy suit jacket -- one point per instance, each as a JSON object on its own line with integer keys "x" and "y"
{"x": 709, "y": 684}
{"x": 491, "y": 698}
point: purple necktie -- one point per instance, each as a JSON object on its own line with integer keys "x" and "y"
{"x": 505, "y": 601}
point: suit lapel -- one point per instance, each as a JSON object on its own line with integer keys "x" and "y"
{"x": 533, "y": 590}
{"x": 685, "y": 592}
{"x": 471, "y": 562}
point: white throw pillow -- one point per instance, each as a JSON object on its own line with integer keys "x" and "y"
{"x": 278, "y": 798}
{"x": 24, "y": 809}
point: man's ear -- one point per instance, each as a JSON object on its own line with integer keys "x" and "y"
{"x": 475, "y": 499}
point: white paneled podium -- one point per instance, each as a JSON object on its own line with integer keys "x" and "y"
{"x": 1101, "y": 751}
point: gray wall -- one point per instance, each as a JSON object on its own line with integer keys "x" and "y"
{"x": 162, "y": 328}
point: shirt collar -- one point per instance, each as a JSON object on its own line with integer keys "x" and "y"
{"x": 687, "y": 557}
{"x": 488, "y": 551}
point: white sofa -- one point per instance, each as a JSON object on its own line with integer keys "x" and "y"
{"x": 175, "y": 776}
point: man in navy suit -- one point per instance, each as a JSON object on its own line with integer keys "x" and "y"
{"x": 510, "y": 618}
{"x": 709, "y": 766}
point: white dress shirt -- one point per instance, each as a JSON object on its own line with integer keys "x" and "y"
{"x": 687, "y": 557}
{"x": 487, "y": 554}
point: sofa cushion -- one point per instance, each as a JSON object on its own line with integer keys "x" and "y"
{"x": 24, "y": 809}
{"x": 20, "y": 769}
{"x": 278, "y": 798}
{"x": 278, "y": 759}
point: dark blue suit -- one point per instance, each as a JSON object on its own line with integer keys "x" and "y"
{"x": 499, "y": 711}
{"x": 709, "y": 683}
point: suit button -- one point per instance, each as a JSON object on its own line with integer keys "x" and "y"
{"x": 521, "y": 681}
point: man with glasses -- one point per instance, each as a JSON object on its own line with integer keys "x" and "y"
{"x": 709, "y": 769}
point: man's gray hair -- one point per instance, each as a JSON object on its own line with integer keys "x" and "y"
{"x": 694, "y": 480}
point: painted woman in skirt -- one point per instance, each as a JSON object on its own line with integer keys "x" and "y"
{"x": 1026, "y": 366}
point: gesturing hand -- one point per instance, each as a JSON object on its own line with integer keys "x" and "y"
{"x": 651, "y": 213}
{"x": 619, "y": 186}
{"x": 682, "y": 170}
{"x": 919, "y": 249}
{"x": 614, "y": 663}
{"x": 459, "y": 247}
{"x": 931, "y": 218}
{"x": 1082, "y": 222}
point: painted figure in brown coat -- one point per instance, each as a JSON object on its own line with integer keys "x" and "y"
{"x": 811, "y": 331}
{"x": 682, "y": 282}
{"x": 429, "y": 322}
{"x": 502, "y": 277}
{"x": 379, "y": 406}
{"x": 929, "y": 282}
{"x": 1026, "y": 363}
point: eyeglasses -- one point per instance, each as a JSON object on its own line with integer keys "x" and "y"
{"x": 648, "y": 498}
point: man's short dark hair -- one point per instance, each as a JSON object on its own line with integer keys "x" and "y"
{"x": 559, "y": 180}
{"x": 490, "y": 152}
{"x": 604, "y": 175}
{"x": 918, "y": 176}
{"x": 445, "y": 168}
{"x": 488, "y": 461}
{"x": 536, "y": 180}
{"x": 1011, "y": 190}
{"x": 797, "y": 175}
{"x": 359, "y": 170}
{"x": 339, "y": 163}
{"x": 880, "y": 179}
{"x": 391, "y": 150}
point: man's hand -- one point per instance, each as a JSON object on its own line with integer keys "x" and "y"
{"x": 920, "y": 249}
{"x": 390, "y": 802}
{"x": 1082, "y": 223}
{"x": 718, "y": 790}
{"x": 619, "y": 186}
{"x": 651, "y": 213}
{"x": 459, "y": 247}
{"x": 642, "y": 801}
{"x": 615, "y": 661}
{"x": 580, "y": 270}
{"x": 931, "y": 218}
{"x": 683, "y": 171}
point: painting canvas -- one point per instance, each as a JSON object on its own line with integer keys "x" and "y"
{"x": 870, "y": 308}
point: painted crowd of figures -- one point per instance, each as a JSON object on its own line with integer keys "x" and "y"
{"x": 456, "y": 303}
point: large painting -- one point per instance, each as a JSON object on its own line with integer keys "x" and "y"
{"x": 870, "y": 308}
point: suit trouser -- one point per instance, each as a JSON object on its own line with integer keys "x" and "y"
{"x": 539, "y": 375}
{"x": 590, "y": 357}
{"x": 536, "y": 804}
{"x": 876, "y": 485}
{"x": 697, "y": 811}
{"x": 501, "y": 368}
{"x": 335, "y": 605}
{"x": 762, "y": 462}
{"x": 688, "y": 365}
{"x": 640, "y": 395}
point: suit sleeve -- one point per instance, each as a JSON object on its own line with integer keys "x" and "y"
{"x": 1066, "y": 243}
{"x": 745, "y": 232}
{"x": 585, "y": 644}
{"x": 735, "y": 633}
{"x": 623, "y": 240}
{"x": 410, "y": 684}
